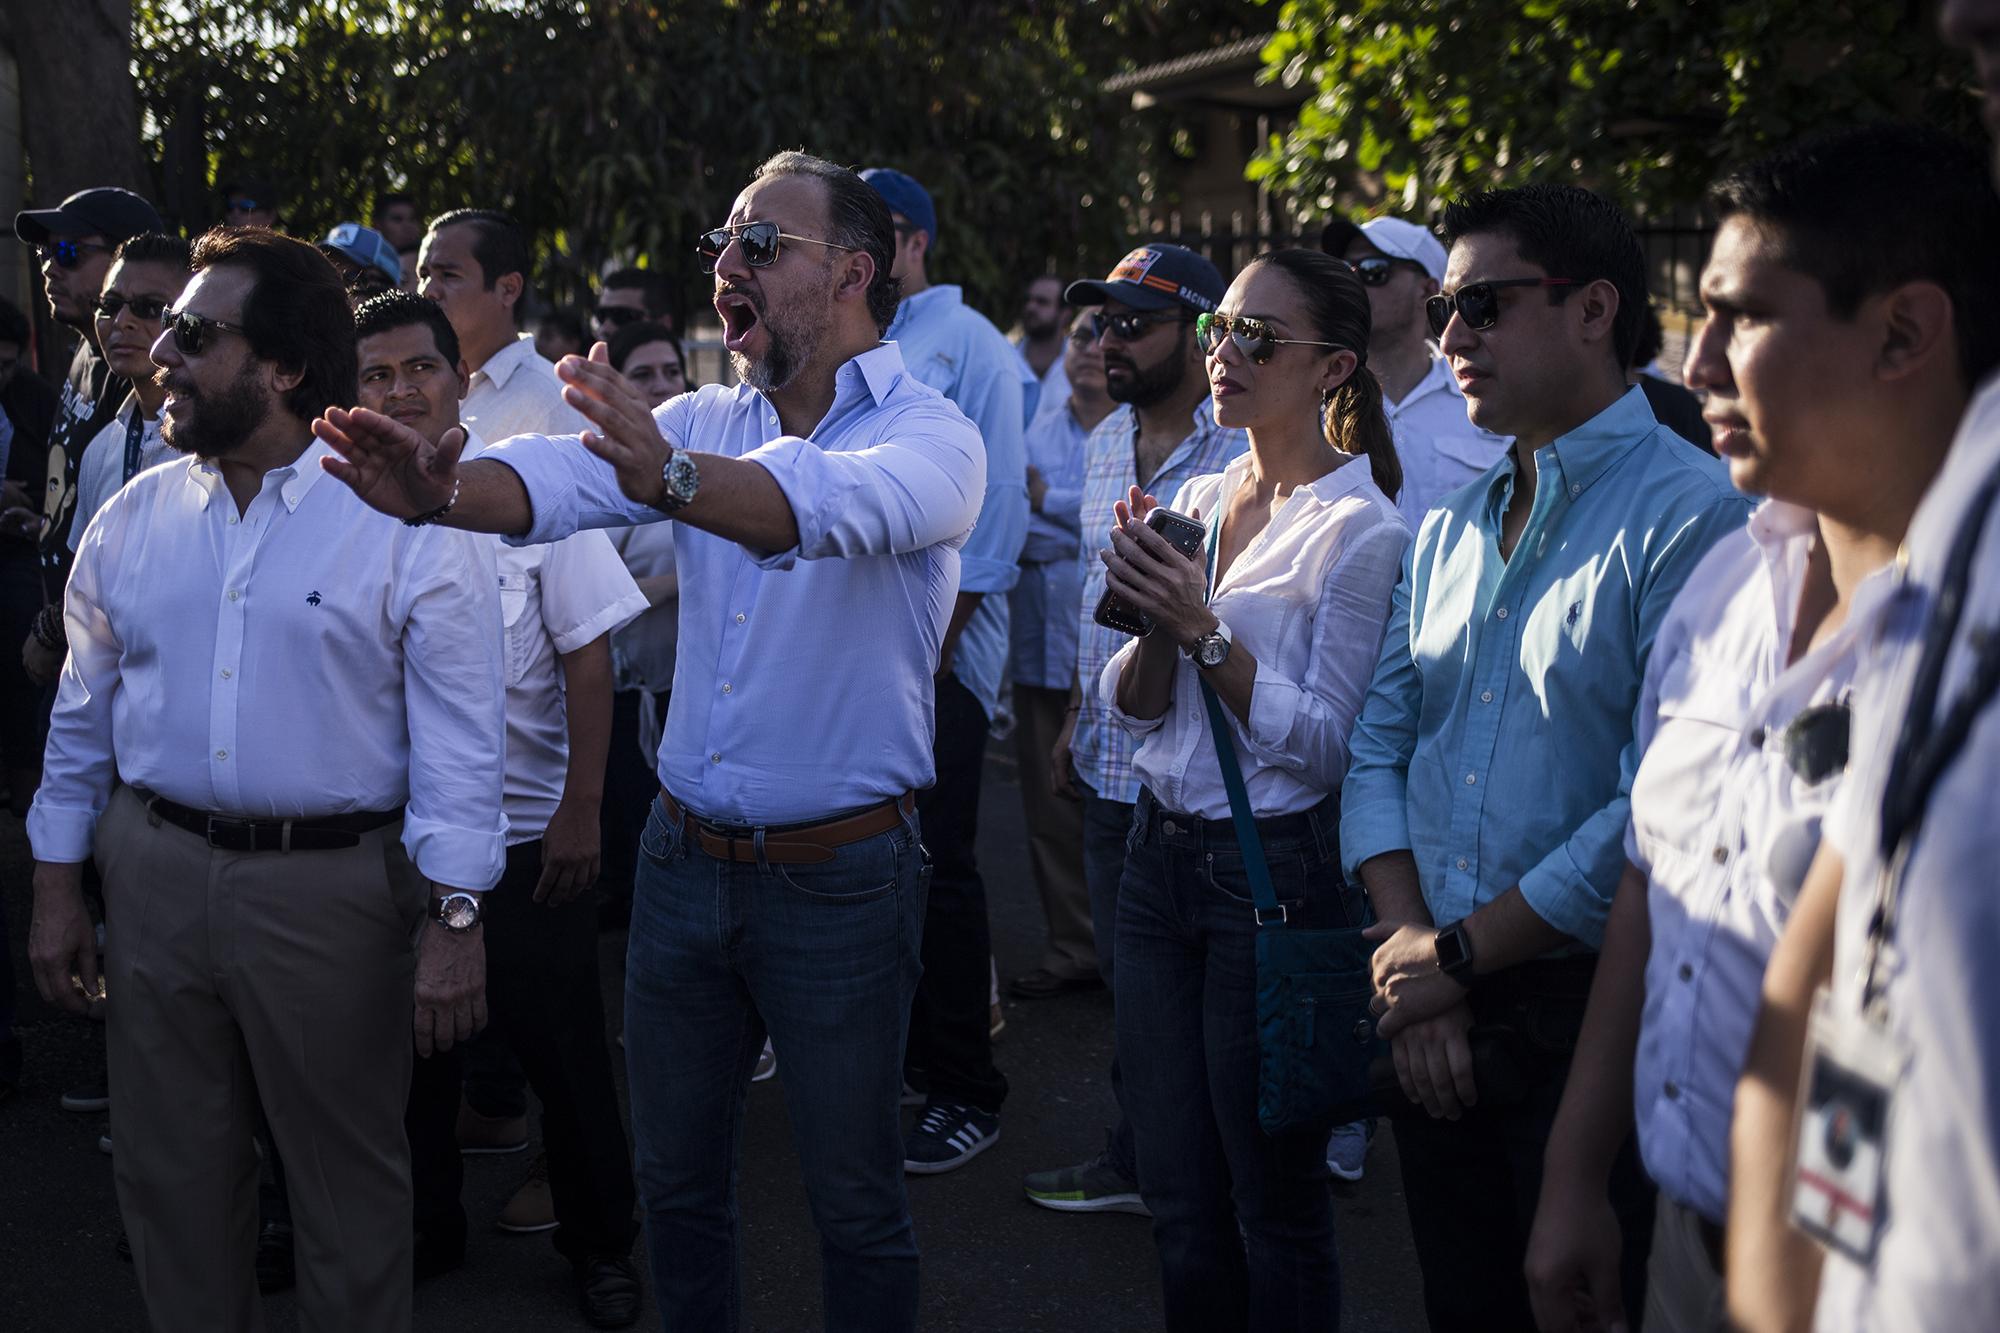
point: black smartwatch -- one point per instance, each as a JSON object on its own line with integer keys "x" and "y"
{"x": 1454, "y": 950}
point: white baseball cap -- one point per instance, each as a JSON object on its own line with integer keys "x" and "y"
{"x": 1393, "y": 237}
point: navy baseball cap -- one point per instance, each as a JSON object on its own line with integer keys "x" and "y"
{"x": 1154, "y": 277}
{"x": 106, "y": 211}
{"x": 365, "y": 246}
{"x": 903, "y": 194}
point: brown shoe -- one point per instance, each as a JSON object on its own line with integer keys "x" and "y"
{"x": 479, "y": 1135}
{"x": 533, "y": 1207}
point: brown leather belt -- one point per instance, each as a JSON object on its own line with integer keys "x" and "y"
{"x": 789, "y": 844}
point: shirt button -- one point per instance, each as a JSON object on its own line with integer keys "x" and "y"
{"x": 234, "y": 594}
{"x": 222, "y": 754}
{"x": 715, "y": 758}
{"x": 727, "y": 687}
{"x": 1720, "y": 854}
{"x": 1486, "y": 696}
{"x": 1461, "y": 863}
{"x": 1471, "y": 778}
{"x": 1576, "y": 490}
{"x": 226, "y": 673}
{"x": 1502, "y": 613}
{"x": 1687, "y": 972}
{"x": 1757, "y": 739}
{"x": 739, "y": 617}
{"x": 232, "y": 520}
{"x": 1673, "y": 1091}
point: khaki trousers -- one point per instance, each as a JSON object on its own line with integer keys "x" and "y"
{"x": 1683, "y": 1286}
{"x": 1055, "y": 835}
{"x": 244, "y": 974}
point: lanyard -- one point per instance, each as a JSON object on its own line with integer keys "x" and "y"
{"x": 1926, "y": 745}
{"x": 135, "y": 435}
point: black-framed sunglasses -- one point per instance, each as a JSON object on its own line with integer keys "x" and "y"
{"x": 1253, "y": 337}
{"x": 1130, "y": 327}
{"x": 65, "y": 253}
{"x": 618, "y": 316}
{"x": 1476, "y": 303}
{"x": 1376, "y": 270}
{"x": 762, "y": 243}
{"x": 147, "y": 308}
{"x": 242, "y": 206}
{"x": 191, "y": 330}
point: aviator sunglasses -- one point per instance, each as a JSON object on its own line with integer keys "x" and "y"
{"x": 145, "y": 308}
{"x": 191, "y": 330}
{"x": 1476, "y": 303}
{"x": 1253, "y": 337}
{"x": 68, "y": 254}
{"x": 762, "y": 243}
{"x": 1376, "y": 270}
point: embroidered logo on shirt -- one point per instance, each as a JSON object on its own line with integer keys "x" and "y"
{"x": 312, "y": 598}
{"x": 1575, "y": 610}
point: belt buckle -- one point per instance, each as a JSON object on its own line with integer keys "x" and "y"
{"x": 219, "y": 824}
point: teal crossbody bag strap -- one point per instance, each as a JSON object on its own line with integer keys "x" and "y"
{"x": 1269, "y": 911}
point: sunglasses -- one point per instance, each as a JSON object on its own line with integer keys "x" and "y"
{"x": 1376, "y": 270}
{"x": 1253, "y": 337}
{"x": 145, "y": 308}
{"x": 1476, "y": 303}
{"x": 68, "y": 254}
{"x": 618, "y": 316}
{"x": 191, "y": 330}
{"x": 1131, "y": 328}
{"x": 243, "y": 206}
{"x": 762, "y": 243}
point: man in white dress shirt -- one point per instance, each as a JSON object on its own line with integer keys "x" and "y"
{"x": 279, "y": 732}
{"x": 1744, "y": 716}
{"x": 781, "y": 880}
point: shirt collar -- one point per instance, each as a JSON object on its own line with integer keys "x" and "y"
{"x": 1325, "y": 488}
{"x": 500, "y": 367}
{"x": 878, "y": 369}
{"x": 920, "y": 305}
{"x": 300, "y": 476}
{"x": 1583, "y": 455}
{"x": 1438, "y": 379}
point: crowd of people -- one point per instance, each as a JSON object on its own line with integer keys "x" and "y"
{"x": 1384, "y": 585}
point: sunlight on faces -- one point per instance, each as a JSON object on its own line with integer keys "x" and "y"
{"x": 127, "y": 341}
{"x": 776, "y": 318}
{"x": 406, "y": 378}
{"x": 1152, "y": 367}
{"x": 1396, "y": 308}
{"x": 1531, "y": 358}
{"x": 218, "y": 398}
{"x": 400, "y": 226}
{"x": 1083, "y": 355}
{"x": 655, "y": 371}
{"x": 448, "y": 273}
{"x": 1290, "y": 386}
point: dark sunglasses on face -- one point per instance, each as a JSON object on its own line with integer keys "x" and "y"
{"x": 762, "y": 243}
{"x": 1131, "y": 328}
{"x": 244, "y": 205}
{"x": 1476, "y": 303}
{"x": 618, "y": 316}
{"x": 145, "y": 308}
{"x": 191, "y": 330}
{"x": 1253, "y": 337}
{"x": 68, "y": 254}
{"x": 1378, "y": 269}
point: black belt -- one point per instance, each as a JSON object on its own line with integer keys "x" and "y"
{"x": 232, "y": 833}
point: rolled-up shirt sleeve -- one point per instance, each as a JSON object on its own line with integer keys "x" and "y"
{"x": 1107, "y": 689}
{"x": 80, "y": 764}
{"x": 1374, "y": 813}
{"x": 586, "y": 591}
{"x": 455, "y": 702}
{"x": 1304, "y": 726}
{"x": 921, "y": 484}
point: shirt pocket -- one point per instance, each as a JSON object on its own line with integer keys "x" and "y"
{"x": 519, "y": 625}
{"x": 1677, "y": 795}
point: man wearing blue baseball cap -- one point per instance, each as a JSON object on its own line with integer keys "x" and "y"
{"x": 1162, "y": 434}
{"x": 957, "y": 351}
{"x": 366, "y": 261}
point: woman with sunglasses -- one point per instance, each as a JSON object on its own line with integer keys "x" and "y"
{"x": 1305, "y": 544}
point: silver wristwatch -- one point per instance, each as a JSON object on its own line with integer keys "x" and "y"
{"x": 1211, "y": 650}
{"x": 456, "y": 912}
{"x": 679, "y": 480}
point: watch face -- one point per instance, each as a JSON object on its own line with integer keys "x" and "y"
{"x": 459, "y": 911}
{"x": 1211, "y": 650}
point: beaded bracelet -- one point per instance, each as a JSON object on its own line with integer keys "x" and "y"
{"x": 49, "y": 630}
{"x": 425, "y": 519}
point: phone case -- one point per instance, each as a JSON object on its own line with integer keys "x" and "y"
{"x": 1113, "y": 612}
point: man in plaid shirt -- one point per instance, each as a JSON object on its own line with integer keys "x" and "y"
{"x": 1162, "y": 434}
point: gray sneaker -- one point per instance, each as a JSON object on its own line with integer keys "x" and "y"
{"x": 1095, "y": 1186}
{"x": 1347, "y": 1149}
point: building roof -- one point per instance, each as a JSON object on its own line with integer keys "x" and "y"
{"x": 1221, "y": 74}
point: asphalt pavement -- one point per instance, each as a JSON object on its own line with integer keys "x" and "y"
{"x": 992, "y": 1262}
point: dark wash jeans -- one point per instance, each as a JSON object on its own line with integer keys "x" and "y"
{"x": 1471, "y": 1184}
{"x": 825, "y": 958}
{"x": 1107, "y": 826}
{"x": 1243, "y": 1219}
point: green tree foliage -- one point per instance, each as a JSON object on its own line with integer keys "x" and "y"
{"x": 1411, "y": 101}
{"x": 625, "y": 128}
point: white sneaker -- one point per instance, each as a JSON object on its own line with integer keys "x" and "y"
{"x": 767, "y": 1064}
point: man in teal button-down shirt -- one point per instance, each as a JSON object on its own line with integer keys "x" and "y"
{"x": 1485, "y": 806}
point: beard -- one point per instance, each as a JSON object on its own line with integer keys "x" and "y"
{"x": 219, "y": 423}
{"x": 1034, "y": 326}
{"x": 1145, "y": 386}
{"x": 795, "y": 339}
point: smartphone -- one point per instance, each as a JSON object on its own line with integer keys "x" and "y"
{"x": 1186, "y": 535}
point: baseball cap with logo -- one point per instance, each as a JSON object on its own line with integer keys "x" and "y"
{"x": 106, "y": 211}
{"x": 365, "y": 245}
{"x": 1393, "y": 237}
{"x": 1153, "y": 277}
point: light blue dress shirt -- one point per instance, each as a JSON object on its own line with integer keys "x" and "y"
{"x": 1044, "y": 603}
{"x": 1039, "y": 391}
{"x": 957, "y": 351}
{"x": 803, "y": 685}
{"x": 1497, "y": 743}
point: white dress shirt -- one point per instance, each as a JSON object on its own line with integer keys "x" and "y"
{"x": 101, "y": 470}
{"x": 1724, "y": 829}
{"x": 554, "y": 598}
{"x": 1308, "y": 598}
{"x": 310, "y": 658}
{"x": 1934, "y": 1265}
{"x": 804, "y": 681}
{"x": 517, "y": 393}
{"x": 1439, "y": 447}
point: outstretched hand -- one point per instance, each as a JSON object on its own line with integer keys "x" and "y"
{"x": 626, "y": 436}
{"x": 391, "y": 467}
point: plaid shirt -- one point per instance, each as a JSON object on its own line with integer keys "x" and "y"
{"x": 1102, "y": 749}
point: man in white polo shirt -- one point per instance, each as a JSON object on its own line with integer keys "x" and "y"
{"x": 1401, "y": 264}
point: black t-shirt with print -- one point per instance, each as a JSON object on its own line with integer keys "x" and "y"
{"x": 91, "y": 396}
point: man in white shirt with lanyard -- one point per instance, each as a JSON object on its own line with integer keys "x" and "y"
{"x": 781, "y": 880}
{"x": 279, "y": 732}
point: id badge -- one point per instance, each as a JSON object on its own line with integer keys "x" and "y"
{"x": 1842, "y": 1132}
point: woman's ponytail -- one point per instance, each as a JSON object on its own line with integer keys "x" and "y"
{"x": 1356, "y": 424}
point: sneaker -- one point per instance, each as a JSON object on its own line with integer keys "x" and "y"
{"x": 949, "y": 1135}
{"x": 1095, "y": 1186}
{"x": 608, "y": 1290}
{"x": 480, "y": 1135}
{"x": 1347, "y": 1150}
{"x": 996, "y": 1022}
{"x": 92, "y": 1096}
{"x": 104, "y": 1141}
{"x": 533, "y": 1207}
{"x": 767, "y": 1064}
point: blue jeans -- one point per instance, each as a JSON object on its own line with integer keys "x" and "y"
{"x": 1243, "y": 1220}
{"x": 825, "y": 959}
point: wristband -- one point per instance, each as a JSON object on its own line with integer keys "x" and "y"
{"x": 426, "y": 519}
{"x": 49, "y": 629}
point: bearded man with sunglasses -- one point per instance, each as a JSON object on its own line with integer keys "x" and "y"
{"x": 819, "y": 507}
{"x": 1401, "y": 265}
{"x": 1486, "y": 804}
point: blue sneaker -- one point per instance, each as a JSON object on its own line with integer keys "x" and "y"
{"x": 1347, "y": 1149}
